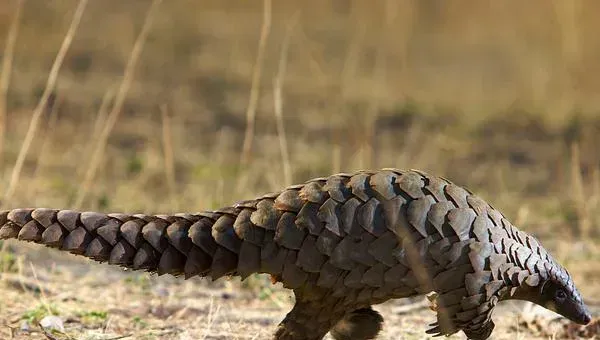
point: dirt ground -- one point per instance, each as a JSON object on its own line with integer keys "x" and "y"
{"x": 97, "y": 301}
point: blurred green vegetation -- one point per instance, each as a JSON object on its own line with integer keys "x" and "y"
{"x": 498, "y": 96}
{"x": 92, "y": 317}
{"x": 34, "y": 316}
{"x": 8, "y": 261}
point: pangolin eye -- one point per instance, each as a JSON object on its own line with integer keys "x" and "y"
{"x": 560, "y": 295}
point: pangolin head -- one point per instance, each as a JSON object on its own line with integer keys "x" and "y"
{"x": 555, "y": 290}
{"x": 559, "y": 294}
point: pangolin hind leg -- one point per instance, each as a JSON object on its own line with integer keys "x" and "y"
{"x": 314, "y": 314}
{"x": 360, "y": 324}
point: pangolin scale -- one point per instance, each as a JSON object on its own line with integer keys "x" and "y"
{"x": 342, "y": 243}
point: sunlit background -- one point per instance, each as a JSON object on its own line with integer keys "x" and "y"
{"x": 191, "y": 105}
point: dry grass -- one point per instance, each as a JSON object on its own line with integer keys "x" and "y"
{"x": 5, "y": 73}
{"x": 231, "y": 100}
{"x": 45, "y": 101}
{"x": 115, "y": 112}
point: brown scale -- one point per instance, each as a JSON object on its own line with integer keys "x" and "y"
{"x": 342, "y": 243}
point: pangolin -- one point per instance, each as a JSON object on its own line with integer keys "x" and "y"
{"x": 342, "y": 243}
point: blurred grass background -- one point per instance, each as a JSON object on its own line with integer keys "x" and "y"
{"x": 499, "y": 96}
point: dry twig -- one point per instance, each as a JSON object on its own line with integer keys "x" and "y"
{"x": 255, "y": 87}
{"x": 278, "y": 102}
{"x": 168, "y": 154}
